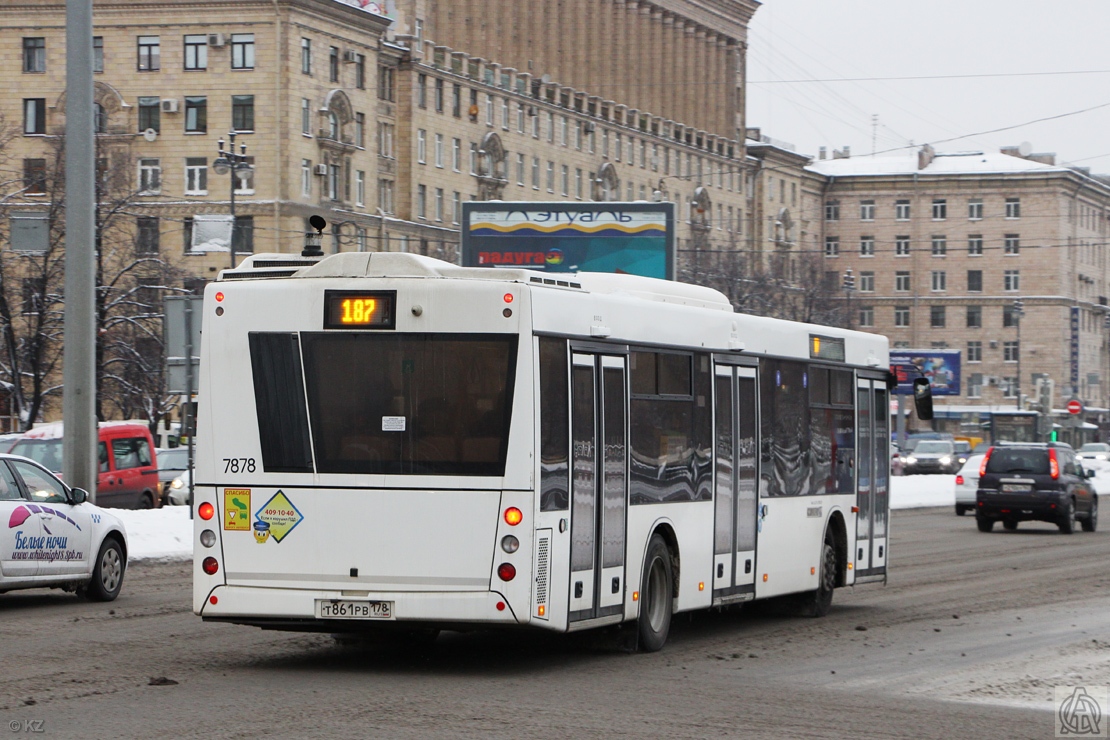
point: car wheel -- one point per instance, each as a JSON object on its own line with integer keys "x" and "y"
{"x": 1009, "y": 525}
{"x": 1090, "y": 524}
{"x": 961, "y": 509}
{"x": 107, "y": 575}
{"x": 984, "y": 524}
{"x": 146, "y": 501}
{"x": 656, "y": 596}
{"x": 1067, "y": 518}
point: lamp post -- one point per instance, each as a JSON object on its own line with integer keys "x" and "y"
{"x": 849, "y": 286}
{"x": 1019, "y": 311}
{"x": 233, "y": 162}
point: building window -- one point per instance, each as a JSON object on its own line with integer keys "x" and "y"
{"x": 456, "y": 207}
{"x": 146, "y": 235}
{"x": 242, "y": 51}
{"x": 385, "y": 140}
{"x": 975, "y": 281}
{"x": 1011, "y": 244}
{"x": 901, "y": 246}
{"x": 867, "y": 246}
{"x": 421, "y": 146}
{"x": 1011, "y": 280}
{"x": 551, "y": 177}
{"x": 386, "y": 76}
{"x": 520, "y": 170}
{"x": 535, "y": 173}
{"x": 1013, "y": 208}
{"x": 936, "y": 317}
{"x": 1009, "y": 316}
{"x": 306, "y": 117}
{"x": 505, "y": 114}
{"x": 901, "y": 316}
{"x": 100, "y": 119}
{"x": 939, "y": 281}
{"x": 333, "y": 64}
{"x": 98, "y": 53}
{"x": 832, "y": 246}
{"x": 578, "y": 183}
{"x": 551, "y": 133}
{"x": 34, "y": 295}
{"x": 867, "y": 316}
{"x": 902, "y": 281}
{"x": 333, "y": 182}
{"x": 360, "y": 71}
{"x": 473, "y": 158}
{"x": 867, "y": 210}
{"x": 975, "y": 351}
{"x": 439, "y": 96}
{"x": 974, "y": 385}
{"x": 940, "y": 246}
{"x": 974, "y": 321}
{"x": 489, "y": 110}
{"x": 439, "y": 204}
{"x": 360, "y": 130}
{"x": 940, "y": 209}
{"x": 196, "y": 115}
{"x": 150, "y": 115}
{"x": 975, "y": 209}
{"x": 421, "y": 91}
{"x": 242, "y": 235}
{"x": 196, "y": 52}
{"x": 456, "y": 155}
{"x": 832, "y": 208}
{"x": 867, "y": 282}
{"x": 34, "y": 115}
{"x": 306, "y": 177}
{"x": 196, "y": 176}
{"x": 975, "y": 245}
{"x": 385, "y": 195}
{"x": 34, "y": 54}
{"x": 150, "y": 54}
{"x": 421, "y": 201}
{"x": 438, "y": 152}
{"x": 456, "y": 100}
{"x": 242, "y": 113}
{"x": 34, "y": 176}
{"x": 306, "y": 56}
{"x": 901, "y": 210}
{"x": 1010, "y": 351}
{"x": 150, "y": 176}
{"x": 565, "y": 190}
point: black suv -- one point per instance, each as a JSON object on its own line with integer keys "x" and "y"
{"x": 1034, "y": 482}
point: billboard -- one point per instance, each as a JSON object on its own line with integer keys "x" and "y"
{"x": 940, "y": 366}
{"x": 628, "y": 238}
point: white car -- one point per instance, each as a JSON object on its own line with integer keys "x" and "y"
{"x": 1094, "y": 451}
{"x": 967, "y": 483}
{"x": 54, "y": 537}
{"x": 177, "y": 490}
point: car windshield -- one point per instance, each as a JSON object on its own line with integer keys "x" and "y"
{"x": 933, "y": 447}
{"x": 1016, "y": 460}
{"x": 177, "y": 459}
{"x": 1095, "y": 447}
{"x": 963, "y": 447}
{"x": 47, "y": 452}
{"x": 971, "y": 467}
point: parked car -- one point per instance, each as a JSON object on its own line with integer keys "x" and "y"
{"x": 967, "y": 483}
{"x": 171, "y": 463}
{"x": 1034, "y": 482}
{"x": 128, "y": 478}
{"x": 932, "y": 456}
{"x": 1094, "y": 451}
{"x": 54, "y": 537}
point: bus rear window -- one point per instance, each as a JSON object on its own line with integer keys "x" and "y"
{"x": 420, "y": 404}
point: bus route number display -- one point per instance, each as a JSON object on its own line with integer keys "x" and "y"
{"x": 359, "y": 310}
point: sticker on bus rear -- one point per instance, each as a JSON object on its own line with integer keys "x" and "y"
{"x": 279, "y": 517}
{"x": 237, "y": 509}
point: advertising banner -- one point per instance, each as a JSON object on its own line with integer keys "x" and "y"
{"x": 940, "y": 366}
{"x": 627, "y": 238}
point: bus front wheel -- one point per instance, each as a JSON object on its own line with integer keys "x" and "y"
{"x": 656, "y": 596}
{"x": 817, "y": 603}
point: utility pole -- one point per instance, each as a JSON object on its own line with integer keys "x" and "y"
{"x": 1019, "y": 312}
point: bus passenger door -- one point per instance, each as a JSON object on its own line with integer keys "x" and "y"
{"x": 599, "y": 485}
{"x": 736, "y": 496}
{"x": 872, "y": 493}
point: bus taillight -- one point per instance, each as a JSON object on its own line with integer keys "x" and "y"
{"x": 506, "y": 572}
{"x": 206, "y": 511}
{"x": 211, "y": 566}
{"x": 513, "y": 516}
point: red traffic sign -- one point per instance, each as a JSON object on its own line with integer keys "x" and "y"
{"x": 1074, "y": 406}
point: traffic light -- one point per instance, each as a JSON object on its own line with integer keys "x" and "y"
{"x": 1052, "y": 435}
{"x": 849, "y": 280}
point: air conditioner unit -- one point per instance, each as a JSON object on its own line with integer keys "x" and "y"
{"x": 532, "y": 111}
{"x": 216, "y": 39}
{"x": 588, "y": 127}
{"x": 320, "y": 169}
{"x": 994, "y": 344}
{"x": 994, "y": 380}
{"x": 169, "y": 105}
{"x": 350, "y": 56}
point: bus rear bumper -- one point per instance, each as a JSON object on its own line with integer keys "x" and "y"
{"x": 297, "y": 609}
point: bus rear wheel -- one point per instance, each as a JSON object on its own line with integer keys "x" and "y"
{"x": 656, "y": 596}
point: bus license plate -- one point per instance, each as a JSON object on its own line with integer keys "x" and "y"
{"x": 328, "y": 609}
{"x": 1015, "y": 488}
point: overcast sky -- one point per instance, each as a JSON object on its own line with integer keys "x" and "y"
{"x": 833, "y": 39}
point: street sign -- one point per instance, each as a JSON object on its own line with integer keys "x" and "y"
{"x": 1074, "y": 406}
{"x": 182, "y": 342}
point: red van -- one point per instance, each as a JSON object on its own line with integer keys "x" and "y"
{"x": 128, "y": 473}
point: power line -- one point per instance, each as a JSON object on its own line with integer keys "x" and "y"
{"x": 931, "y": 77}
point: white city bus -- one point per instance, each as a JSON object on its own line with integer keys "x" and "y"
{"x": 391, "y": 441}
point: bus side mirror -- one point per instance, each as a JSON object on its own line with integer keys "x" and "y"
{"x": 923, "y": 399}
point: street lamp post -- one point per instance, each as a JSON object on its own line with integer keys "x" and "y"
{"x": 849, "y": 286}
{"x": 233, "y": 162}
{"x": 1019, "y": 312}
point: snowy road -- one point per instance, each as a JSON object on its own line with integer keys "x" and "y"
{"x": 967, "y": 640}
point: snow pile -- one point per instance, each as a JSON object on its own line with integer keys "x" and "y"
{"x": 157, "y": 534}
{"x": 919, "y": 491}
